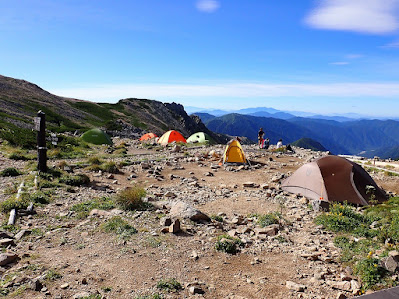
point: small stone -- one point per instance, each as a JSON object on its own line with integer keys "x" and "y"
{"x": 64, "y": 286}
{"x": 355, "y": 285}
{"x": 21, "y": 234}
{"x": 97, "y": 212}
{"x": 391, "y": 264}
{"x": 36, "y": 284}
{"x": 341, "y": 285}
{"x": 175, "y": 226}
{"x": 84, "y": 280}
{"x": 196, "y": 290}
{"x": 243, "y": 229}
{"x": 7, "y": 258}
{"x": 250, "y": 185}
{"x": 170, "y": 194}
{"x": 270, "y": 230}
{"x": 295, "y": 286}
{"x": 304, "y": 201}
{"x": 194, "y": 255}
{"x": 165, "y": 221}
{"x": 6, "y": 242}
{"x": 81, "y": 295}
{"x": 232, "y": 233}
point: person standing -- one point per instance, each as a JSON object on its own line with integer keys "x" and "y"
{"x": 279, "y": 144}
{"x": 261, "y": 134}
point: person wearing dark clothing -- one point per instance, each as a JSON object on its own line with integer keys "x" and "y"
{"x": 261, "y": 134}
{"x": 289, "y": 148}
{"x": 266, "y": 143}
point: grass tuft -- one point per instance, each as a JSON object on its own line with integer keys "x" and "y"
{"x": 132, "y": 199}
{"x": 119, "y": 226}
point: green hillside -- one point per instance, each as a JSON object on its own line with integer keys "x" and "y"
{"x": 21, "y": 100}
{"x": 309, "y": 144}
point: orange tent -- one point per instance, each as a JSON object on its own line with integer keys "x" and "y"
{"x": 148, "y": 136}
{"x": 171, "y": 136}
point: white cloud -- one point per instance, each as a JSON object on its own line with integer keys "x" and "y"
{"x": 364, "y": 16}
{"x": 340, "y": 63}
{"x": 237, "y": 90}
{"x": 208, "y": 6}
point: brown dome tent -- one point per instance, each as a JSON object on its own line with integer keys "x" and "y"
{"x": 333, "y": 178}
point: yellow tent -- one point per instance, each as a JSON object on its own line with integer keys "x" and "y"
{"x": 234, "y": 153}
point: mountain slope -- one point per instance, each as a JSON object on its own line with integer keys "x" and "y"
{"x": 20, "y": 101}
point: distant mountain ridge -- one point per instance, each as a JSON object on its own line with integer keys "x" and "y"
{"x": 350, "y": 137}
{"x": 282, "y": 114}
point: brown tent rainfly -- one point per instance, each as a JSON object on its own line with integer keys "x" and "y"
{"x": 333, "y": 178}
{"x": 392, "y": 293}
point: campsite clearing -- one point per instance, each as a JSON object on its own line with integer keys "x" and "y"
{"x": 67, "y": 243}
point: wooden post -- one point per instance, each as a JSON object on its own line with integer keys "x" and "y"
{"x": 11, "y": 219}
{"x": 40, "y": 126}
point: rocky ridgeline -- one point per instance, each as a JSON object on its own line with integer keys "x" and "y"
{"x": 56, "y": 254}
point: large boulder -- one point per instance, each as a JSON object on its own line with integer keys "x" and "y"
{"x": 184, "y": 210}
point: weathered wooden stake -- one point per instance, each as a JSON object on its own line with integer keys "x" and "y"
{"x": 40, "y": 123}
{"x": 13, "y": 215}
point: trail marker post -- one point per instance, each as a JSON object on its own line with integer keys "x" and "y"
{"x": 40, "y": 127}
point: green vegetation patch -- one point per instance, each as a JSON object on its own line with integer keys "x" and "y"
{"x": 21, "y": 156}
{"x": 169, "y": 285}
{"x": 16, "y": 136}
{"x": 10, "y": 171}
{"x": 228, "y": 244}
{"x": 94, "y": 109}
{"x": 13, "y": 203}
{"x": 370, "y": 272}
{"x": 361, "y": 234}
{"x": 52, "y": 275}
{"x": 110, "y": 167}
{"x": 75, "y": 180}
{"x": 217, "y": 218}
{"x": 343, "y": 218}
{"x": 119, "y": 226}
{"x": 40, "y": 197}
{"x": 132, "y": 199}
{"x": 269, "y": 219}
{"x": 83, "y": 209}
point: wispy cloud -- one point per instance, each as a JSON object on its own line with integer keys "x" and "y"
{"x": 340, "y": 63}
{"x": 208, "y": 6}
{"x": 394, "y": 44}
{"x": 354, "y": 56}
{"x": 364, "y": 16}
{"x": 239, "y": 90}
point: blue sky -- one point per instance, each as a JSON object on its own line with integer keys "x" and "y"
{"x": 325, "y": 56}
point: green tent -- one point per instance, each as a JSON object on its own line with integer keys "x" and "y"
{"x": 200, "y": 137}
{"x": 96, "y": 136}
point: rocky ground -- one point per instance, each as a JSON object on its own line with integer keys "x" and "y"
{"x": 56, "y": 254}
